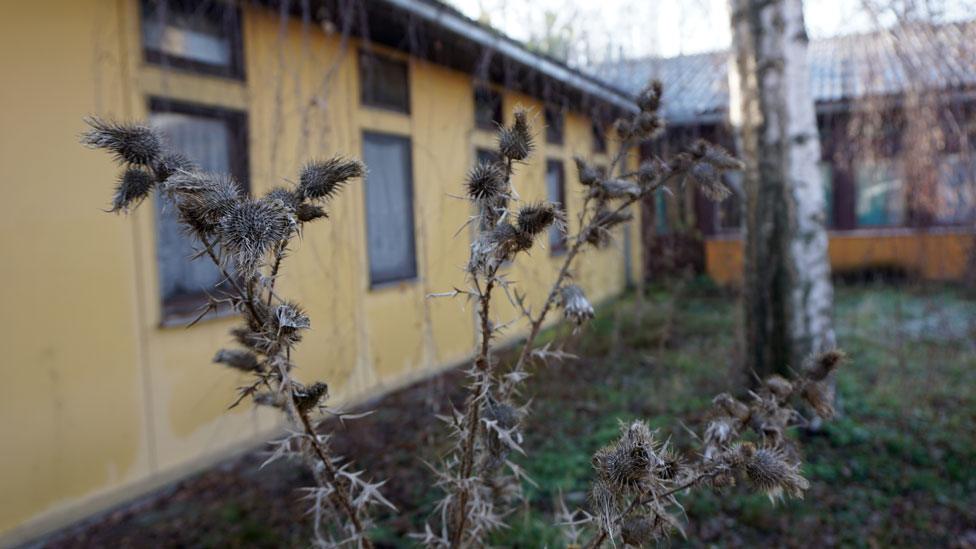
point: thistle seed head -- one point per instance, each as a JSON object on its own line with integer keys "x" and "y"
{"x": 321, "y": 180}
{"x": 732, "y": 407}
{"x": 245, "y": 361}
{"x": 171, "y": 163}
{"x": 624, "y": 128}
{"x": 709, "y": 180}
{"x": 285, "y": 197}
{"x": 648, "y": 172}
{"x": 251, "y": 229}
{"x": 516, "y": 142}
{"x": 637, "y": 531}
{"x": 309, "y": 212}
{"x": 717, "y": 156}
{"x": 576, "y": 307}
{"x": 533, "y": 219}
{"x": 768, "y": 471}
{"x": 486, "y": 183}
{"x": 615, "y": 188}
{"x": 307, "y": 398}
{"x": 627, "y": 463}
{"x": 588, "y": 175}
{"x": 134, "y": 185}
{"x": 598, "y": 233}
{"x": 649, "y": 99}
{"x": 816, "y": 396}
{"x": 821, "y": 365}
{"x": 289, "y": 318}
{"x": 130, "y": 143}
{"x": 203, "y": 199}
{"x": 648, "y": 125}
{"x": 779, "y": 387}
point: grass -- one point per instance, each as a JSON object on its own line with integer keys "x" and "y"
{"x": 898, "y": 469}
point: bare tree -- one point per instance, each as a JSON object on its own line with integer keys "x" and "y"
{"x": 788, "y": 294}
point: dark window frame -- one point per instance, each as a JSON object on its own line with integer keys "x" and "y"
{"x": 494, "y": 98}
{"x": 176, "y": 308}
{"x": 599, "y": 131}
{"x": 414, "y": 275}
{"x": 562, "y": 245}
{"x": 231, "y": 19}
{"x": 555, "y": 118}
{"x": 485, "y": 154}
{"x": 366, "y": 99}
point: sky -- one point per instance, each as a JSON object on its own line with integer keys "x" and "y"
{"x": 633, "y": 28}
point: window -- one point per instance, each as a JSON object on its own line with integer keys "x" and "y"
{"x": 554, "y": 125}
{"x": 385, "y": 82}
{"x": 880, "y": 198}
{"x": 599, "y": 137}
{"x": 389, "y": 208}
{"x": 957, "y": 190}
{"x": 827, "y": 178}
{"x": 730, "y": 210}
{"x": 660, "y": 212}
{"x": 556, "y": 192}
{"x": 197, "y": 35}
{"x": 487, "y": 108}
{"x": 216, "y": 140}
{"x": 485, "y": 156}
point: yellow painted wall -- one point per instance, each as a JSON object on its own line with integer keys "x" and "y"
{"x": 99, "y": 401}
{"x": 937, "y": 254}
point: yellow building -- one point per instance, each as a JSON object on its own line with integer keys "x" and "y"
{"x": 105, "y": 394}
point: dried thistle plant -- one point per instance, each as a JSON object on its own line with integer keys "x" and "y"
{"x": 247, "y": 239}
{"x": 480, "y": 483}
{"x": 634, "y": 496}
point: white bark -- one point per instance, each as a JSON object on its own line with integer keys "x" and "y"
{"x": 787, "y": 281}
{"x": 813, "y": 292}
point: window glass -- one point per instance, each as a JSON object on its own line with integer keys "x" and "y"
{"x": 957, "y": 190}
{"x": 385, "y": 82}
{"x": 556, "y": 192}
{"x": 485, "y": 156}
{"x": 660, "y": 212}
{"x": 389, "y": 208}
{"x": 198, "y": 35}
{"x": 487, "y": 108}
{"x": 827, "y": 178}
{"x": 554, "y": 125}
{"x": 208, "y": 141}
{"x": 880, "y": 197}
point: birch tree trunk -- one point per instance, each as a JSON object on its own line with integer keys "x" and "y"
{"x": 788, "y": 294}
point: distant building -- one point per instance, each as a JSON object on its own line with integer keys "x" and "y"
{"x": 896, "y": 199}
{"x": 105, "y": 394}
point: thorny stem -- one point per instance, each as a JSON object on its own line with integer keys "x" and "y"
{"x": 483, "y": 364}
{"x": 279, "y": 255}
{"x": 223, "y": 272}
{"x": 341, "y": 496}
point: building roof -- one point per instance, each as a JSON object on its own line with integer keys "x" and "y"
{"x": 917, "y": 57}
{"x": 432, "y": 30}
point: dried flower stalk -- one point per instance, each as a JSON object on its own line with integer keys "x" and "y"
{"x": 638, "y": 477}
{"x": 247, "y": 239}
{"x": 477, "y": 476}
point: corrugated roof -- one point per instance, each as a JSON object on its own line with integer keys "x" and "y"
{"x": 917, "y": 57}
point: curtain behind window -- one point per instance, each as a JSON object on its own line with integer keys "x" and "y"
{"x": 206, "y": 142}
{"x": 389, "y": 208}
